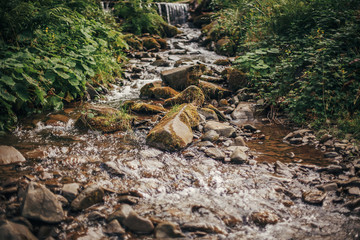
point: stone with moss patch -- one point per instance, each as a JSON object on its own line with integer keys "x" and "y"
{"x": 225, "y": 46}
{"x": 181, "y": 77}
{"x": 174, "y": 131}
{"x": 236, "y": 79}
{"x": 133, "y": 41}
{"x": 144, "y": 108}
{"x": 192, "y": 94}
{"x": 213, "y": 91}
{"x": 151, "y": 44}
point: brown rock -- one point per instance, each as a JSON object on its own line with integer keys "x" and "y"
{"x": 182, "y": 77}
{"x": 191, "y": 94}
{"x": 264, "y": 218}
{"x": 9, "y": 155}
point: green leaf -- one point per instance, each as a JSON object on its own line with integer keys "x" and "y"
{"x": 62, "y": 74}
{"x": 7, "y": 80}
{"x": 29, "y": 79}
{"x": 7, "y": 96}
{"x": 22, "y": 92}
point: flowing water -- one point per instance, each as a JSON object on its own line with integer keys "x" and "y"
{"x": 173, "y": 187}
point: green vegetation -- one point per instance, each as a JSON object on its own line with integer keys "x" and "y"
{"x": 50, "y": 50}
{"x": 303, "y": 57}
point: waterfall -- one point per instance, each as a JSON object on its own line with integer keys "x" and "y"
{"x": 106, "y": 5}
{"x": 174, "y": 13}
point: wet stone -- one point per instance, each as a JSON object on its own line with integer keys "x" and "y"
{"x": 264, "y": 218}
{"x": 9, "y": 155}
{"x": 223, "y": 129}
{"x": 128, "y": 199}
{"x": 41, "y": 204}
{"x": 168, "y": 230}
{"x": 296, "y": 141}
{"x": 239, "y": 155}
{"x": 331, "y": 154}
{"x": 70, "y": 190}
{"x": 313, "y": 197}
{"x": 354, "y": 191}
{"x": 202, "y": 227}
{"x": 211, "y": 136}
{"x": 353, "y": 203}
{"x": 88, "y": 197}
{"x": 328, "y": 187}
{"x": 205, "y": 144}
{"x": 96, "y": 216}
{"x": 129, "y": 218}
{"x": 215, "y": 153}
{"x": 13, "y": 231}
{"x": 114, "y": 228}
{"x": 250, "y": 127}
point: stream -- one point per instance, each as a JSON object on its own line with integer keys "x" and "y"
{"x": 185, "y": 187}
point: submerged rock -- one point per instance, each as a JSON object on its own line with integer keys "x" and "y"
{"x": 191, "y": 94}
{"x": 168, "y": 230}
{"x": 174, "y": 131}
{"x": 88, "y": 197}
{"x": 14, "y": 231}
{"x": 223, "y": 129}
{"x": 129, "y": 218}
{"x": 41, "y": 204}
{"x": 9, "y": 155}
{"x": 182, "y": 77}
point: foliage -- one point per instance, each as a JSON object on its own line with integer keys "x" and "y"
{"x": 50, "y": 50}
{"x": 302, "y": 56}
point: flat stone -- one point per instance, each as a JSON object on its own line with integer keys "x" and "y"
{"x": 313, "y": 197}
{"x": 14, "y": 231}
{"x": 88, "y": 197}
{"x": 9, "y": 155}
{"x": 129, "y": 218}
{"x": 70, "y": 191}
{"x": 239, "y": 156}
{"x": 202, "y": 227}
{"x": 41, "y": 204}
{"x": 215, "y": 153}
{"x": 168, "y": 230}
{"x": 244, "y": 112}
{"x": 211, "y": 136}
{"x": 223, "y": 129}
{"x": 264, "y": 218}
{"x": 128, "y": 199}
{"x": 239, "y": 141}
{"x": 328, "y": 187}
{"x": 114, "y": 228}
{"x": 354, "y": 191}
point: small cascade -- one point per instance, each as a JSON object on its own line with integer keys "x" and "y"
{"x": 106, "y": 5}
{"x": 174, "y": 13}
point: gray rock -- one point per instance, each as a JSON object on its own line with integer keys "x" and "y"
{"x": 114, "y": 228}
{"x": 331, "y": 154}
{"x": 239, "y": 141}
{"x": 282, "y": 169}
{"x": 215, "y": 153}
{"x": 208, "y": 113}
{"x": 41, "y": 204}
{"x": 90, "y": 196}
{"x": 95, "y": 216}
{"x": 14, "y": 231}
{"x": 181, "y": 77}
{"x": 129, "y": 218}
{"x": 238, "y": 156}
{"x": 328, "y": 187}
{"x": 9, "y": 155}
{"x": 205, "y": 144}
{"x": 168, "y": 230}
{"x": 203, "y": 227}
{"x": 223, "y": 129}
{"x": 243, "y": 111}
{"x": 250, "y": 127}
{"x": 353, "y": 203}
{"x": 70, "y": 190}
{"x": 211, "y": 136}
{"x": 354, "y": 191}
{"x": 313, "y": 197}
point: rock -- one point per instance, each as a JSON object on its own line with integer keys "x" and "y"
{"x": 328, "y": 187}
{"x": 96, "y": 216}
{"x": 169, "y": 30}
{"x": 161, "y": 63}
{"x": 203, "y": 227}
{"x": 129, "y": 218}
{"x": 354, "y": 191}
{"x": 133, "y": 41}
{"x": 264, "y": 218}
{"x": 128, "y": 199}
{"x": 225, "y": 46}
{"x": 236, "y": 79}
{"x": 239, "y": 156}
{"x": 282, "y": 169}
{"x": 191, "y": 94}
{"x": 213, "y": 79}
{"x": 150, "y": 43}
{"x": 333, "y": 169}
{"x": 296, "y": 140}
{"x": 331, "y": 155}
{"x": 298, "y": 134}
{"x": 41, "y": 204}
{"x": 70, "y": 190}
{"x": 219, "y": 114}
{"x": 162, "y": 42}
{"x": 164, "y": 92}
{"x": 9, "y": 155}
{"x": 353, "y": 203}
{"x": 205, "y": 144}
{"x": 215, "y": 153}
{"x": 223, "y": 62}
{"x": 114, "y": 228}
{"x": 103, "y": 118}
{"x": 174, "y": 131}
{"x": 250, "y": 127}
{"x": 91, "y": 195}
{"x": 213, "y": 91}
{"x": 324, "y": 138}
{"x": 239, "y": 141}
{"x": 144, "y": 108}
{"x": 208, "y": 113}
{"x": 13, "y": 231}
{"x": 313, "y": 197}
{"x": 243, "y": 111}
{"x": 182, "y": 77}
{"x": 223, "y": 129}
{"x": 202, "y": 19}
{"x": 168, "y": 230}
{"x": 211, "y": 136}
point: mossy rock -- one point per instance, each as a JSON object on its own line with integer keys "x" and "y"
{"x": 104, "y": 119}
{"x": 146, "y": 90}
{"x": 192, "y": 94}
{"x": 203, "y": 19}
{"x": 170, "y": 30}
{"x": 134, "y": 42}
{"x": 164, "y": 92}
{"x": 222, "y": 62}
{"x": 174, "y": 131}
{"x": 150, "y": 43}
{"x": 219, "y": 114}
{"x": 181, "y": 77}
{"x": 225, "y": 46}
{"x": 144, "y": 108}
{"x": 162, "y": 42}
{"x": 213, "y": 91}
{"x": 236, "y": 79}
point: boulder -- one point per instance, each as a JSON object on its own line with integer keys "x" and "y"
{"x": 41, "y": 204}
{"x": 239, "y": 155}
{"x": 155, "y": 90}
{"x": 239, "y": 141}
{"x": 114, "y": 228}
{"x": 215, "y": 153}
{"x": 162, "y": 42}
{"x": 223, "y": 62}
{"x": 70, "y": 191}
{"x": 14, "y": 231}
{"x": 170, "y": 30}
{"x": 263, "y": 218}
{"x": 236, "y": 79}
{"x": 146, "y": 90}
{"x": 223, "y": 129}
{"x": 313, "y": 197}
{"x": 243, "y": 112}
{"x": 213, "y": 91}
{"x": 9, "y": 155}
{"x": 168, "y": 230}
{"x": 174, "y": 131}
{"x": 208, "y": 113}
{"x": 211, "y": 136}
{"x": 144, "y": 108}
{"x": 182, "y": 77}
{"x": 91, "y": 195}
{"x": 133, "y": 41}
{"x": 219, "y": 114}
{"x": 225, "y": 46}
{"x": 191, "y": 94}
{"x": 150, "y": 43}
{"x": 129, "y": 218}
{"x": 103, "y": 118}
